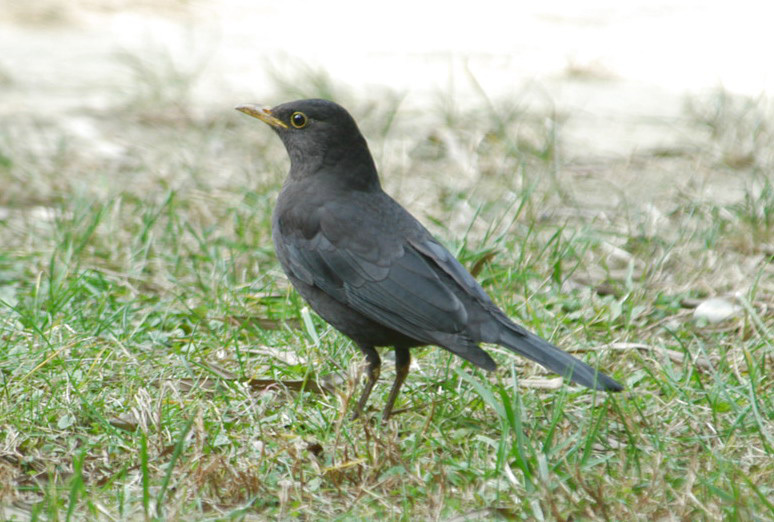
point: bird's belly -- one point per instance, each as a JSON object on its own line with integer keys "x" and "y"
{"x": 350, "y": 322}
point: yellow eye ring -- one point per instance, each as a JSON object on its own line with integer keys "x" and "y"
{"x": 298, "y": 120}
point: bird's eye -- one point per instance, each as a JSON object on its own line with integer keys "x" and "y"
{"x": 298, "y": 120}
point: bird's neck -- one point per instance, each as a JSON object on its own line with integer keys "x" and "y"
{"x": 350, "y": 168}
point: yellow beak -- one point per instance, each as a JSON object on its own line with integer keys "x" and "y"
{"x": 262, "y": 114}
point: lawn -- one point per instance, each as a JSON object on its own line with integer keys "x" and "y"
{"x": 154, "y": 361}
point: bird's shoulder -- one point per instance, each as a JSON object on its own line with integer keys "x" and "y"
{"x": 370, "y": 223}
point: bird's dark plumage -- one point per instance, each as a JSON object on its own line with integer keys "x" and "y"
{"x": 370, "y": 269}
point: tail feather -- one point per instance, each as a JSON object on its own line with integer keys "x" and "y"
{"x": 544, "y": 353}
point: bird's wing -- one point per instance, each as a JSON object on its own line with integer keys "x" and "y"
{"x": 399, "y": 290}
{"x": 443, "y": 259}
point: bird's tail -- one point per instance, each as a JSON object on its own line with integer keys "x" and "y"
{"x": 542, "y": 352}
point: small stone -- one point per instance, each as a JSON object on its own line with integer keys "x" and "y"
{"x": 716, "y": 309}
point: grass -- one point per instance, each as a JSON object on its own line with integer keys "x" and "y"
{"x": 155, "y": 364}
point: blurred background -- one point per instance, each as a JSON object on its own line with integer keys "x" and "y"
{"x": 618, "y": 100}
{"x": 622, "y": 69}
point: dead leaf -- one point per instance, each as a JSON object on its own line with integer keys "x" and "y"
{"x": 263, "y": 322}
{"x": 297, "y": 385}
{"x": 126, "y": 421}
{"x": 548, "y": 383}
{"x": 479, "y": 264}
{"x": 701, "y": 363}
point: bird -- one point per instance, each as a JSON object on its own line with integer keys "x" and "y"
{"x": 370, "y": 269}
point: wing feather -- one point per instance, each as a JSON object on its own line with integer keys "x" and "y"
{"x": 404, "y": 292}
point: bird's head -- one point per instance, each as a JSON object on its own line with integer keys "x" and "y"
{"x": 317, "y": 134}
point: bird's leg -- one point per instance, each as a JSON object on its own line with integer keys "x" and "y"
{"x": 402, "y": 363}
{"x": 373, "y": 364}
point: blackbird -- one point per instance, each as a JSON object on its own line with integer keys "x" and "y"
{"x": 370, "y": 269}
